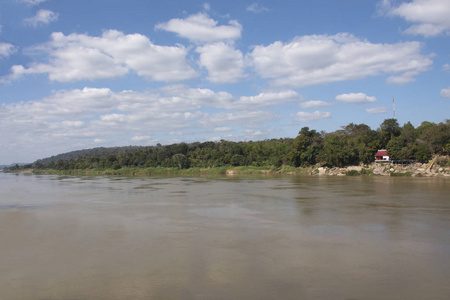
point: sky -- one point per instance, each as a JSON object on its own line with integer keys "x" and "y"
{"x": 78, "y": 74}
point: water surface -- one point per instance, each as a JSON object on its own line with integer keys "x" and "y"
{"x": 66, "y": 237}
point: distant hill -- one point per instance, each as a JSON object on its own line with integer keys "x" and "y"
{"x": 100, "y": 152}
{"x": 11, "y": 165}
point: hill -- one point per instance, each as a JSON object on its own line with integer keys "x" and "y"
{"x": 100, "y": 152}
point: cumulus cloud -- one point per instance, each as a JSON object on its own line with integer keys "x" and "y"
{"x": 315, "y": 104}
{"x": 355, "y": 98}
{"x": 82, "y": 57}
{"x": 224, "y": 63}
{"x": 224, "y": 100}
{"x": 7, "y": 49}
{"x": 257, "y": 8}
{"x": 430, "y": 17}
{"x": 319, "y": 59}
{"x": 42, "y": 17}
{"x": 446, "y": 67}
{"x": 306, "y": 117}
{"x": 445, "y": 93}
{"x": 376, "y": 110}
{"x": 267, "y": 99}
{"x": 202, "y": 28}
{"x": 67, "y": 120}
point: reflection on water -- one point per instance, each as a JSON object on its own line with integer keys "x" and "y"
{"x": 65, "y": 237}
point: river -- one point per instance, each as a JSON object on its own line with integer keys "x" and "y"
{"x": 299, "y": 237}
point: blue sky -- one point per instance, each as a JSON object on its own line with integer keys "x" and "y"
{"x": 82, "y": 74}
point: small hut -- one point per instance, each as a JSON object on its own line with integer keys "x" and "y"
{"x": 382, "y": 156}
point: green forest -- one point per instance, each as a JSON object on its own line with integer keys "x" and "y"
{"x": 351, "y": 145}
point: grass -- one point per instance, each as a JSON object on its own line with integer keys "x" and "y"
{"x": 399, "y": 174}
{"x": 352, "y": 173}
{"x": 155, "y": 171}
{"x": 367, "y": 172}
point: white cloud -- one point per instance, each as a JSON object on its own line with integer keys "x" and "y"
{"x": 32, "y": 2}
{"x": 355, "y": 98}
{"x": 253, "y": 133}
{"x": 445, "y": 93}
{"x": 140, "y": 138}
{"x": 383, "y": 7}
{"x": 82, "y": 118}
{"x": 319, "y": 59}
{"x": 114, "y": 118}
{"x": 82, "y": 57}
{"x": 314, "y": 104}
{"x": 201, "y": 28}
{"x": 42, "y": 17}
{"x": 267, "y": 99}
{"x": 376, "y": 110}
{"x": 306, "y": 117}
{"x": 431, "y": 17}
{"x": 222, "y": 129}
{"x": 237, "y": 118}
{"x": 6, "y": 49}
{"x": 224, "y": 100}
{"x": 257, "y": 8}
{"x": 446, "y": 67}
{"x": 224, "y": 63}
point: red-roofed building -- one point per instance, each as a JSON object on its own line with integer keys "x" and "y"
{"x": 382, "y": 156}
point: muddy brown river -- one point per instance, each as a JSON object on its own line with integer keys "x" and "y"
{"x": 300, "y": 237}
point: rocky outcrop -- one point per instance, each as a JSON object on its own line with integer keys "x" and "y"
{"x": 387, "y": 169}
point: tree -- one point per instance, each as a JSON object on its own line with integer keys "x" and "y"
{"x": 305, "y": 147}
{"x": 389, "y": 129}
{"x": 408, "y": 133}
{"x": 181, "y": 161}
{"x": 356, "y": 130}
{"x": 336, "y": 152}
{"x": 238, "y": 160}
{"x": 424, "y": 126}
{"x": 437, "y": 137}
{"x": 422, "y": 152}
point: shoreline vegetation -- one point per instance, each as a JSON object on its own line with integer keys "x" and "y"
{"x": 441, "y": 168}
{"x": 350, "y": 151}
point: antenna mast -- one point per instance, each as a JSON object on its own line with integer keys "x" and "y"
{"x": 393, "y": 106}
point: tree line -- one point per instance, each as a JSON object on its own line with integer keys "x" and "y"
{"x": 351, "y": 145}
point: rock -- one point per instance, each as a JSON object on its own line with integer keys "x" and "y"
{"x": 377, "y": 171}
{"x": 354, "y": 168}
{"x": 322, "y": 171}
{"x": 231, "y": 172}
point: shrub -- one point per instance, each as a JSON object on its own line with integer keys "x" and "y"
{"x": 352, "y": 173}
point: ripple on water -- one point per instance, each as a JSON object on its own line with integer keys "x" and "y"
{"x": 21, "y": 207}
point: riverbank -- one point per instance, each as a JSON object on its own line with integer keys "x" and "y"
{"x": 137, "y": 171}
{"x": 440, "y": 168}
{"x": 387, "y": 169}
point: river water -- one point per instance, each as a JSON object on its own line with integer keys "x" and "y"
{"x": 300, "y": 237}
